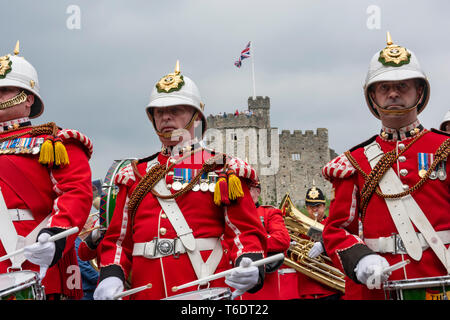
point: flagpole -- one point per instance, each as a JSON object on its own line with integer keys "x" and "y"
{"x": 252, "y": 55}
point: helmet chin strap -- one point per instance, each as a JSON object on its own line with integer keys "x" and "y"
{"x": 177, "y": 132}
{"x": 14, "y": 101}
{"x": 396, "y": 112}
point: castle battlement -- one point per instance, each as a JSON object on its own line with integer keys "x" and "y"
{"x": 300, "y": 155}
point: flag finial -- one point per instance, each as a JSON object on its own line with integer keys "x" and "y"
{"x": 17, "y": 48}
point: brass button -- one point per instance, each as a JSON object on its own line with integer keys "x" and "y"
{"x": 163, "y": 215}
{"x": 403, "y": 172}
{"x": 162, "y": 231}
{"x": 402, "y": 158}
{"x": 401, "y": 146}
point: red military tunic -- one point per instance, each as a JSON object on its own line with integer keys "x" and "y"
{"x": 340, "y": 235}
{"x": 278, "y": 240}
{"x": 236, "y": 225}
{"x": 64, "y": 193}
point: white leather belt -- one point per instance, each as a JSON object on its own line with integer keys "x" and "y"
{"x": 162, "y": 247}
{"x": 20, "y": 214}
{"x": 394, "y": 243}
{"x": 286, "y": 271}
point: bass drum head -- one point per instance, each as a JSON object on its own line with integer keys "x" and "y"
{"x": 110, "y": 191}
{"x": 204, "y": 294}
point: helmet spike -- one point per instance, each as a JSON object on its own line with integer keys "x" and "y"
{"x": 16, "y": 48}
{"x": 388, "y": 39}
{"x": 177, "y": 67}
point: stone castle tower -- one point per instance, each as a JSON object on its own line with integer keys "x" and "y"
{"x": 285, "y": 162}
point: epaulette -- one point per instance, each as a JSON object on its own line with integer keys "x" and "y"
{"x": 67, "y": 134}
{"x": 445, "y": 133}
{"x": 340, "y": 168}
{"x": 125, "y": 176}
{"x": 128, "y": 175}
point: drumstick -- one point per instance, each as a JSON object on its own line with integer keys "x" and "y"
{"x": 132, "y": 291}
{"x": 89, "y": 230}
{"x": 396, "y": 266}
{"x": 58, "y": 236}
{"x": 222, "y": 274}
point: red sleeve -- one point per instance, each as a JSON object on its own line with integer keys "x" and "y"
{"x": 244, "y": 232}
{"x": 73, "y": 188}
{"x": 278, "y": 236}
{"x": 117, "y": 245}
{"x": 85, "y": 253}
{"x": 341, "y": 232}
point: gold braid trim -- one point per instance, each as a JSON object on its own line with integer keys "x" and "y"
{"x": 18, "y": 99}
{"x": 47, "y": 128}
{"x": 372, "y": 179}
{"x": 157, "y": 172}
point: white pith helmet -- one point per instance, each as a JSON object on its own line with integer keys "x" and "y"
{"x": 176, "y": 89}
{"x": 395, "y": 63}
{"x": 17, "y": 72}
{"x": 445, "y": 120}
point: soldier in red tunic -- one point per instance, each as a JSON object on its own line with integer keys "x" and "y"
{"x": 45, "y": 182}
{"x": 278, "y": 240}
{"x": 183, "y": 213}
{"x": 309, "y": 288}
{"x": 396, "y": 183}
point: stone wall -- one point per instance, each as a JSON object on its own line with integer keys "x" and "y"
{"x": 294, "y": 164}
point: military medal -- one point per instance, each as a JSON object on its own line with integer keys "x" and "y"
{"x": 196, "y": 187}
{"x": 204, "y": 182}
{"x": 187, "y": 175}
{"x": 441, "y": 173}
{"x": 37, "y": 145}
{"x": 424, "y": 160}
{"x": 178, "y": 177}
{"x": 212, "y": 178}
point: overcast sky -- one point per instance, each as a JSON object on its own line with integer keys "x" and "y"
{"x": 310, "y": 58}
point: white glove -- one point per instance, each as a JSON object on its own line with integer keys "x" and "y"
{"x": 108, "y": 288}
{"x": 369, "y": 271}
{"x": 316, "y": 250}
{"x": 41, "y": 253}
{"x": 243, "y": 279}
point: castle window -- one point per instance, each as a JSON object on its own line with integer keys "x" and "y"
{"x": 234, "y": 136}
{"x": 295, "y": 156}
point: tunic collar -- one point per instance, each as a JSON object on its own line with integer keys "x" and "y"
{"x": 411, "y": 130}
{"x": 14, "y": 124}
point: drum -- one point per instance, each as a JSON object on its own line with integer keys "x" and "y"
{"x": 21, "y": 285}
{"x": 432, "y": 288}
{"x": 110, "y": 191}
{"x": 204, "y": 294}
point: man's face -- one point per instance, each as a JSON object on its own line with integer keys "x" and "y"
{"x": 255, "y": 192}
{"x": 396, "y": 95}
{"x": 168, "y": 119}
{"x": 18, "y": 111}
{"x": 316, "y": 212}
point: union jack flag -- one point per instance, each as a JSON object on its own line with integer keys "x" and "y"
{"x": 244, "y": 55}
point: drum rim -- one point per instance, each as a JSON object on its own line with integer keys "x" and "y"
{"x": 224, "y": 292}
{"x": 34, "y": 280}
